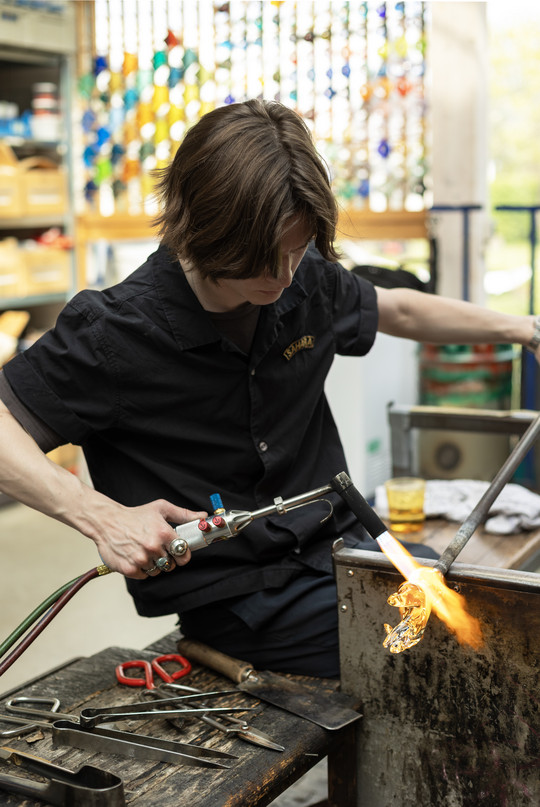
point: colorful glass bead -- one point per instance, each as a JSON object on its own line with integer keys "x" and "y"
{"x": 118, "y": 188}
{"x": 159, "y": 58}
{"x": 162, "y": 130}
{"x": 383, "y": 148}
{"x": 170, "y": 40}
{"x": 130, "y": 63}
{"x": 131, "y": 98}
{"x": 86, "y": 84}
{"x": 88, "y": 119}
{"x": 102, "y": 135}
{"x": 363, "y": 188}
{"x": 176, "y": 75}
{"x": 117, "y": 153}
{"x": 90, "y": 190}
{"x": 103, "y": 170}
{"x": 190, "y": 57}
{"x": 100, "y": 64}
{"x": 89, "y": 155}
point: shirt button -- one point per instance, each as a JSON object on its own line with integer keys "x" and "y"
{"x": 263, "y": 446}
{"x": 252, "y": 371}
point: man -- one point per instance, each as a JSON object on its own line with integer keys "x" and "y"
{"x": 204, "y": 372}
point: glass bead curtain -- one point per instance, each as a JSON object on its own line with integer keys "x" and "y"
{"x": 355, "y": 71}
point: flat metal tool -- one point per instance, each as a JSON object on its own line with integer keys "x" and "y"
{"x": 67, "y": 730}
{"x": 86, "y": 787}
{"x": 226, "y": 723}
{"x": 331, "y": 711}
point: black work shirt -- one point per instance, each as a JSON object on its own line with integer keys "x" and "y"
{"x": 164, "y": 406}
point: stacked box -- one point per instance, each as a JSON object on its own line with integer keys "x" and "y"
{"x": 12, "y": 269}
{"x": 11, "y": 197}
{"x": 46, "y": 270}
{"x": 43, "y": 187}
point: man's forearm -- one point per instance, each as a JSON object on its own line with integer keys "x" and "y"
{"x": 28, "y": 476}
{"x": 443, "y": 320}
{"x": 128, "y": 539}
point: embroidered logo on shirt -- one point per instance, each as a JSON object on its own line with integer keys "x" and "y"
{"x": 306, "y": 342}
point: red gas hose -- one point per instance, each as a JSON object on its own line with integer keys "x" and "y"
{"x": 64, "y": 598}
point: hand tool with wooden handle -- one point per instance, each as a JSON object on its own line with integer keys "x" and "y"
{"x": 331, "y": 711}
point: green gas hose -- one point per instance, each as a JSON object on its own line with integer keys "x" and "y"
{"x": 50, "y": 607}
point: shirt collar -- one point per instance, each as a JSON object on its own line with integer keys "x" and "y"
{"x": 190, "y": 323}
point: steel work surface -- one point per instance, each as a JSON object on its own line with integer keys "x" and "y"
{"x": 443, "y": 725}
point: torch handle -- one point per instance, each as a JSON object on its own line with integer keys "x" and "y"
{"x": 366, "y": 515}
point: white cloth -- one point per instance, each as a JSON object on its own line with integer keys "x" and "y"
{"x": 515, "y": 508}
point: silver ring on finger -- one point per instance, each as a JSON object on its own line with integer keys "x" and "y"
{"x": 152, "y": 572}
{"x": 164, "y": 564}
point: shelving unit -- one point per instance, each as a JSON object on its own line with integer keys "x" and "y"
{"x": 37, "y": 44}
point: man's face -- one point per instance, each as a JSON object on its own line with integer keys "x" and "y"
{"x": 264, "y": 289}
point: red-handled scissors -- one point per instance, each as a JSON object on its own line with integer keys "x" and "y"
{"x": 152, "y": 668}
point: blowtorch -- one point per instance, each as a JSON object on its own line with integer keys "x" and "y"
{"x": 226, "y": 524}
{"x": 193, "y": 535}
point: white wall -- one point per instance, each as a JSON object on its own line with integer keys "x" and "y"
{"x": 458, "y": 58}
{"x": 359, "y": 391}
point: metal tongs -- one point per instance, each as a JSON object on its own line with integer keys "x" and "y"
{"x": 87, "y": 733}
{"x": 87, "y": 787}
{"x": 226, "y": 723}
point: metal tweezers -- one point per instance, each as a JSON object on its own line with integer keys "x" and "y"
{"x": 85, "y": 731}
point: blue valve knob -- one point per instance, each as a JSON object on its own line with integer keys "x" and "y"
{"x": 217, "y": 504}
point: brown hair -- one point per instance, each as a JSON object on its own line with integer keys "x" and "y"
{"x": 239, "y": 176}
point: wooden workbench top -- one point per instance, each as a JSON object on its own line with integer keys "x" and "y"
{"x": 256, "y": 777}
{"x": 515, "y": 551}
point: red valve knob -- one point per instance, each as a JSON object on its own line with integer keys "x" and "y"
{"x": 204, "y": 526}
{"x": 217, "y": 521}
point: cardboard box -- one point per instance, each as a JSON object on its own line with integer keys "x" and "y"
{"x": 42, "y": 26}
{"x": 11, "y": 194}
{"x": 44, "y": 187}
{"x": 47, "y": 270}
{"x": 12, "y": 269}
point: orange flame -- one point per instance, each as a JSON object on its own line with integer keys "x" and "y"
{"x": 426, "y": 590}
